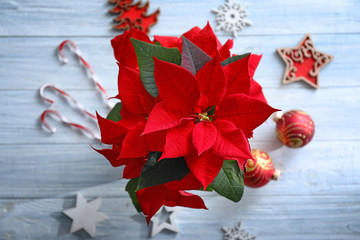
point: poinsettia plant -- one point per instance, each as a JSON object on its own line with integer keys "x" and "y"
{"x": 187, "y": 110}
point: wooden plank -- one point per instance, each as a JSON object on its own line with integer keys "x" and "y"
{"x": 37, "y": 58}
{"x": 321, "y": 168}
{"x": 20, "y": 112}
{"x": 269, "y": 217}
{"x": 38, "y": 63}
{"x": 46, "y": 170}
{"x": 69, "y": 18}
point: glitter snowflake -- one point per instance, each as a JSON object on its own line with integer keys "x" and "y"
{"x": 230, "y": 17}
{"x": 236, "y": 233}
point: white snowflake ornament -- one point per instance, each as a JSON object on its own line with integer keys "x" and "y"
{"x": 230, "y": 17}
{"x": 236, "y": 233}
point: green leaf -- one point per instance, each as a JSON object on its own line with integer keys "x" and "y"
{"x": 234, "y": 59}
{"x": 208, "y": 188}
{"x": 114, "y": 114}
{"x": 166, "y": 170}
{"x": 193, "y": 58}
{"x": 230, "y": 181}
{"x": 145, "y": 53}
{"x": 131, "y": 188}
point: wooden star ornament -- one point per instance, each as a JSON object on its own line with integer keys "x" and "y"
{"x": 164, "y": 219}
{"x": 303, "y": 62}
{"x": 85, "y": 215}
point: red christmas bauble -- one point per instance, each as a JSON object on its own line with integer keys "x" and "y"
{"x": 294, "y": 128}
{"x": 259, "y": 170}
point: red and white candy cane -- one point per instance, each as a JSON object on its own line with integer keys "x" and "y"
{"x": 64, "y": 94}
{"x": 89, "y": 70}
{"x": 67, "y": 122}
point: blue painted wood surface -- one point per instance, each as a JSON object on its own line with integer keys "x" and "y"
{"x": 318, "y": 194}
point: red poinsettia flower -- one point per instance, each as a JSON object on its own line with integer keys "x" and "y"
{"x": 207, "y": 115}
{"x": 203, "y": 116}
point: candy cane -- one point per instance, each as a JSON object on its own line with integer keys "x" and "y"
{"x": 64, "y": 94}
{"x": 67, "y": 122}
{"x": 89, "y": 70}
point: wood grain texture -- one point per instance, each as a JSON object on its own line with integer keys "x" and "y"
{"x": 69, "y": 18}
{"x": 49, "y": 170}
{"x": 317, "y": 196}
{"x": 307, "y": 217}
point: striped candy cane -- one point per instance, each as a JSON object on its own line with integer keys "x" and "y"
{"x": 89, "y": 70}
{"x": 66, "y": 95}
{"x": 65, "y": 121}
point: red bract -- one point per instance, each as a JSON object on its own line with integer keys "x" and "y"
{"x": 123, "y": 49}
{"x": 170, "y": 194}
{"x": 132, "y": 93}
{"x": 240, "y": 74}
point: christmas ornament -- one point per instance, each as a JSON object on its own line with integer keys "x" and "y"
{"x": 231, "y": 17}
{"x": 178, "y": 125}
{"x": 169, "y": 223}
{"x": 133, "y": 15}
{"x": 303, "y": 62}
{"x": 236, "y": 233}
{"x": 120, "y": 4}
{"x": 259, "y": 170}
{"x": 294, "y": 128}
{"x": 85, "y": 215}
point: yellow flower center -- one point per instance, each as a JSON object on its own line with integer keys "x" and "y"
{"x": 203, "y": 117}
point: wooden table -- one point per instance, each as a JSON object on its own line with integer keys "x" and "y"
{"x": 317, "y": 196}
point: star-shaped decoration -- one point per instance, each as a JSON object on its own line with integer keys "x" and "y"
{"x": 85, "y": 215}
{"x": 164, "y": 219}
{"x": 304, "y": 62}
{"x": 236, "y": 233}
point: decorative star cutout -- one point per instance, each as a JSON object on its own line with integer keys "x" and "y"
{"x": 304, "y": 62}
{"x": 164, "y": 219}
{"x": 85, "y": 215}
{"x": 236, "y": 233}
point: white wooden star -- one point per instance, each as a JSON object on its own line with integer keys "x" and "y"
{"x": 158, "y": 222}
{"x": 85, "y": 215}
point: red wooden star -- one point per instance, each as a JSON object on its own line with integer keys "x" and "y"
{"x": 133, "y": 15}
{"x": 303, "y": 62}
